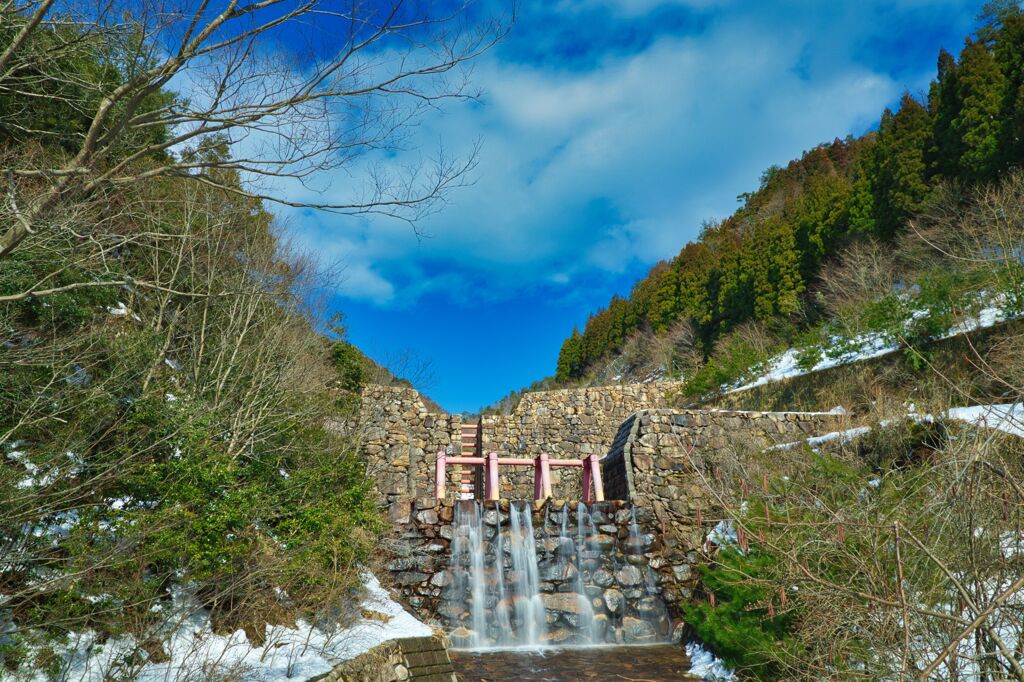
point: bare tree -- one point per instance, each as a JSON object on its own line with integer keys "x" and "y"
{"x": 283, "y": 89}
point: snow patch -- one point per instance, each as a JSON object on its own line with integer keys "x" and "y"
{"x": 195, "y": 652}
{"x": 866, "y": 347}
{"x": 706, "y": 666}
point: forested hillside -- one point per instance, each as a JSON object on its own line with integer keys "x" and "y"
{"x": 764, "y": 264}
{"x": 173, "y": 394}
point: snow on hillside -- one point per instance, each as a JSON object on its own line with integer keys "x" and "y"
{"x": 865, "y": 347}
{"x": 195, "y": 652}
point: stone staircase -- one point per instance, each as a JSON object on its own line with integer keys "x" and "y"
{"x": 469, "y": 447}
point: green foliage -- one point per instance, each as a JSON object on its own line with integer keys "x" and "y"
{"x": 736, "y": 359}
{"x": 352, "y": 365}
{"x": 738, "y": 627}
{"x": 758, "y": 263}
{"x": 980, "y": 92}
{"x": 570, "y": 358}
{"x": 899, "y": 183}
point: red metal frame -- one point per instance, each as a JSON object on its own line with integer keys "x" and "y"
{"x": 541, "y": 464}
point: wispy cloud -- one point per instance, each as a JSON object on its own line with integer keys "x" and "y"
{"x": 597, "y": 169}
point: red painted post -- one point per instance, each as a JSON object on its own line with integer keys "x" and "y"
{"x": 541, "y": 477}
{"x": 538, "y": 483}
{"x": 545, "y": 470}
{"x": 492, "y": 477}
{"x": 595, "y": 475}
{"x": 439, "y": 475}
{"x": 586, "y": 480}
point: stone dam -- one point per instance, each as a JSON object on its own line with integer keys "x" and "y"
{"x": 510, "y": 567}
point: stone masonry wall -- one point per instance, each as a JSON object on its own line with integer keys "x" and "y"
{"x": 421, "y": 659}
{"x": 566, "y": 424}
{"x": 401, "y": 440}
{"x": 403, "y": 437}
{"x": 660, "y": 458}
{"x": 421, "y": 572}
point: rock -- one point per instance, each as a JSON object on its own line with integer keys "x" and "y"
{"x": 400, "y": 564}
{"x": 602, "y": 578}
{"x": 461, "y": 636}
{"x": 447, "y": 532}
{"x": 601, "y": 541}
{"x": 410, "y": 577}
{"x": 650, "y": 608}
{"x": 682, "y": 572}
{"x": 629, "y": 576}
{"x": 427, "y": 517}
{"x": 401, "y": 673}
{"x": 557, "y": 635}
{"x": 441, "y": 579}
{"x": 636, "y": 631}
{"x": 677, "y": 632}
{"x": 614, "y": 600}
{"x": 399, "y": 512}
{"x": 562, "y": 602}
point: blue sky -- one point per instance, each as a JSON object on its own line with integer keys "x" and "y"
{"x": 608, "y": 131}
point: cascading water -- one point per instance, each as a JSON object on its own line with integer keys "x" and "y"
{"x": 528, "y": 628}
{"x": 580, "y": 578}
{"x": 587, "y": 623}
{"x": 495, "y": 577}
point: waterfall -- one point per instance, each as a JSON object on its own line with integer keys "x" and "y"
{"x": 529, "y": 608}
{"x": 580, "y": 578}
{"x": 587, "y": 623}
{"x": 479, "y": 572}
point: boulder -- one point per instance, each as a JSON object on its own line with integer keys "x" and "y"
{"x": 636, "y": 631}
{"x": 562, "y": 602}
{"x": 603, "y": 578}
{"x": 614, "y": 600}
{"x": 629, "y": 576}
{"x": 427, "y": 517}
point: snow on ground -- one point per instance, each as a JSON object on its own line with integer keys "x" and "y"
{"x": 1008, "y": 418}
{"x": 195, "y": 652}
{"x": 705, "y": 665}
{"x": 865, "y": 347}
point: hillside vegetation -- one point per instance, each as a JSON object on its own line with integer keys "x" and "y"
{"x": 790, "y": 257}
{"x": 172, "y": 393}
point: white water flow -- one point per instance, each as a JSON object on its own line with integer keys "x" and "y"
{"x": 497, "y": 571}
{"x": 597, "y": 587}
{"x": 528, "y": 627}
{"x": 637, "y": 540}
{"x": 587, "y": 622}
{"x": 467, "y": 551}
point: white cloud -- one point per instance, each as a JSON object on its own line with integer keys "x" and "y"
{"x": 587, "y": 171}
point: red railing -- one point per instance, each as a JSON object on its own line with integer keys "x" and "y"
{"x": 541, "y": 464}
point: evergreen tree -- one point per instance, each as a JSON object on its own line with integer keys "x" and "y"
{"x": 569, "y": 358}
{"x": 944, "y": 105}
{"x": 1009, "y": 53}
{"x": 900, "y": 184}
{"x": 861, "y": 205}
{"x": 980, "y": 89}
{"x": 775, "y": 264}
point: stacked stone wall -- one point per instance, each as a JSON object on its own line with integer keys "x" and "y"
{"x": 566, "y": 424}
{"x": 401, "y": 439}
{"x": 661, "y": 458}
{"x": 403, "y": 436}
{"x": 423, "y": 659}
{"x": 423, "y": 575}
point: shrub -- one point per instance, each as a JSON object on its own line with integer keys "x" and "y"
{"x": 738, "y": 627}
